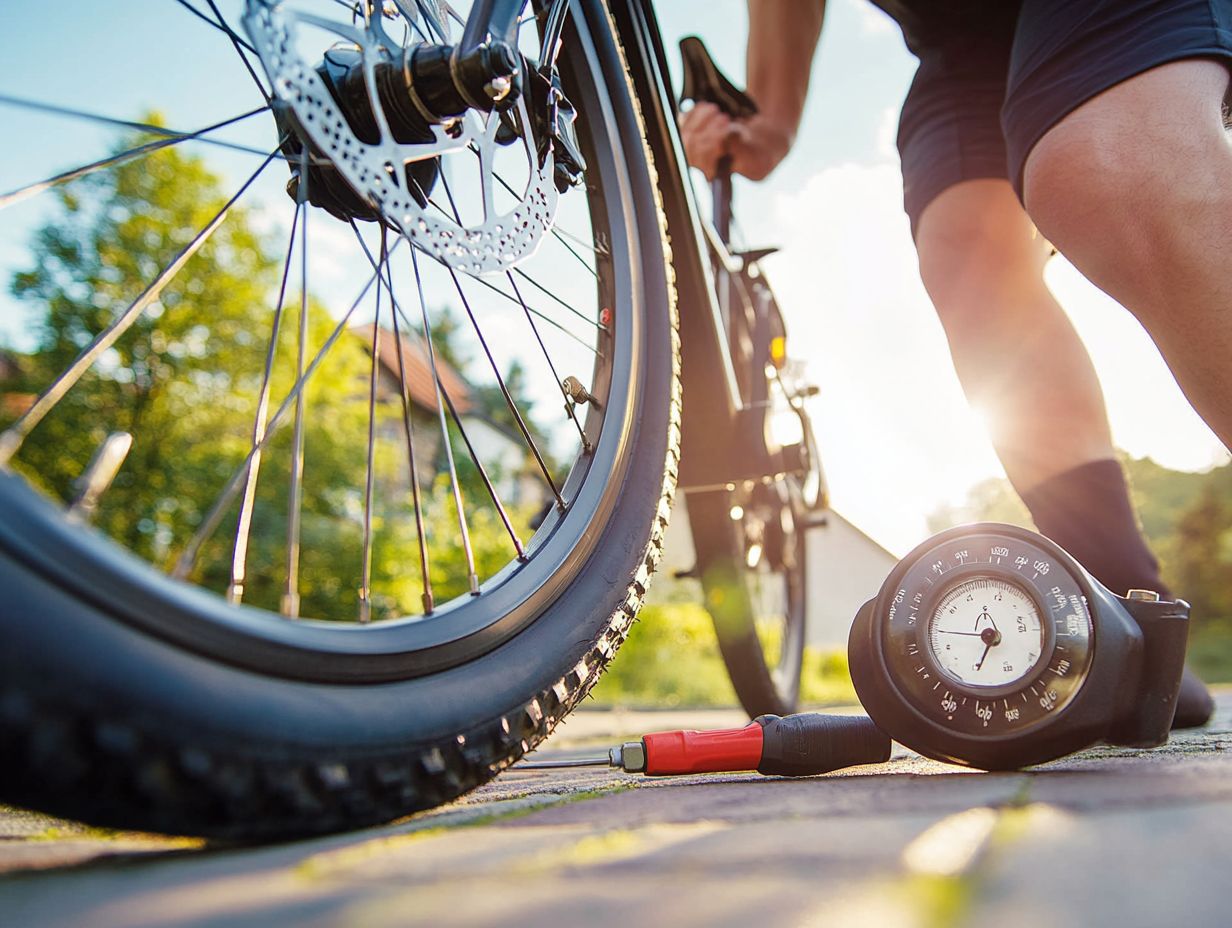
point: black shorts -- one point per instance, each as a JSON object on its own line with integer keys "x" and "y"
{"x": 995, "y": 75}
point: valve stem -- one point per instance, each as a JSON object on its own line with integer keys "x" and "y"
{"x": 579, "y": 394}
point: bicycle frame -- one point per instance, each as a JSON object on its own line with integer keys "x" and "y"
{"x": 724, "y": 437}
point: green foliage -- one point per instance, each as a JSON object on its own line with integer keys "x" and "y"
{"x": 825, "y": 679}
{"x": 672, "y": 659}
{"x": 991, "y": 500}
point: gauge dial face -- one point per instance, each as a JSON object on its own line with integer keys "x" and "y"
{"x": 986, "y": 632}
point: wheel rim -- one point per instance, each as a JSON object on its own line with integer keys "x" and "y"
{"x": 776, "y": 583}
{"x": 441, "y": 633}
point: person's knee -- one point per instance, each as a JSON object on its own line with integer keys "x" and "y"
{"x": 1110, "y": 183}
{"x": 978, "y": 252}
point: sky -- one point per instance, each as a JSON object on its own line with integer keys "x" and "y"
{"x": 897, "y": 437}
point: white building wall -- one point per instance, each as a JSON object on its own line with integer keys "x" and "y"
{"x": 845, "y": 568}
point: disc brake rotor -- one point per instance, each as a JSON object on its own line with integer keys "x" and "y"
{"x": 377, "y": 169}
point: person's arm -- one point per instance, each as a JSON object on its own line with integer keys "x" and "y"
{"x": 783, "y": 36}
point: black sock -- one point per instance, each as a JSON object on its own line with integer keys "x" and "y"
{"x": 1087, "y": 512}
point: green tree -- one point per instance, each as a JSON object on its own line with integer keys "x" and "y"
{"x": 991, "y": 500}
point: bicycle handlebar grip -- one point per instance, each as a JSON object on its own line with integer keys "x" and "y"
{"x": 811, "y": 743}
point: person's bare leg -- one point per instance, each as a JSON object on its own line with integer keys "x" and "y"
{"x": 1135, "y": 188}
{"x": 1016, "y": 353}
{"x": 1020, "y": 360}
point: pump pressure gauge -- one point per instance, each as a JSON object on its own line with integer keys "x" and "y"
{"x": 989, "y": 645}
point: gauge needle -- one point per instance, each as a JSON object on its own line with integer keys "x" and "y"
{"x": 948, "y": 631}
{"x": 987, "y": 648}
{"x": 991, "y": 637}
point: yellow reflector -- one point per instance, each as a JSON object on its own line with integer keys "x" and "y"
{"x": 778, "y": 350}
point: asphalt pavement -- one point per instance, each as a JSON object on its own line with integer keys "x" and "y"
{"x": 1111, "y": 837}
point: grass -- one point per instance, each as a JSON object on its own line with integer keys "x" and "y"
{"x": 1210, "y": 650}
{"x": 672, "y": 660}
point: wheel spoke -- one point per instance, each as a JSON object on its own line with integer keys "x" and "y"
{"x": 436, "y": 15}
{"x": 295, "y": 489}
{"x": 483, "y": 475}
{"x": 409, "y": 431}
{"x": 140, "y": 126}
{"x": 579, "y": 241}
{"x": 239, "y": 45}
{"x": 569, "y": 306}
{"x": 471, "y": 576}
{"x": 243, "y": 527}
{"x": 11, "y": 439}
{"x": 16, "y": 196}
{"x": 396, "y": 311}
{"x": 509, "y": 401}
{"x": 209, "y": 524}
{"x": 457, "y": 419}
{"x": 573, "y": 251}
{"x": 535, "y": 312}
{"x": 454, "y": 207}
{"x": 365, "y": 585}
{"x": 219, "y": 24}
{"x": 99, "y": 474}
{"x": 555, "y": 375}
{"x": 557, "y": 234}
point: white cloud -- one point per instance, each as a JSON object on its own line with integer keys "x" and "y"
{"x": 886, "y": 143}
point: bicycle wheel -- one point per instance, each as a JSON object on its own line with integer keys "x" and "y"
{"x": 754, "y": 579}
{"x": 363, "y": 575}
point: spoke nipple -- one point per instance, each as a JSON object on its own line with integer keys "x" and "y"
{"x": 474, "y": 582}
{"x": 365, "y": 610}
{"x": 427, "y": 603}
{"x": 235, "y": 593}
{"x": 290, "y": 605}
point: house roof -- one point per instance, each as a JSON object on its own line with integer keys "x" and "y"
{"x": 418, "y": 369}
{"x": 9, "y": 368}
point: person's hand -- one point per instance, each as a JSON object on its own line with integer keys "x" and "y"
{"x": 755, "y": 145}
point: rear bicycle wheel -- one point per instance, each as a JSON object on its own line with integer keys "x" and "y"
{"x": 750, "y": 537}
{"x": 418, "y": 570}
{"x": 754, "y": 581}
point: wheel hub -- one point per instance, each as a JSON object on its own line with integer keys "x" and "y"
{"x": 366, "y": 128}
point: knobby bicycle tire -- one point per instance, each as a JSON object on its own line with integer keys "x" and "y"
{"x": 117, "y": 723}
